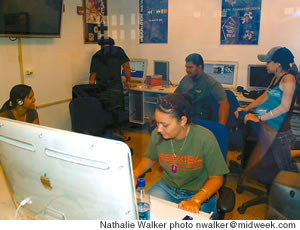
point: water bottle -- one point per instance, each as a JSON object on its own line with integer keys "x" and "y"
{"x": 143, "y": 200}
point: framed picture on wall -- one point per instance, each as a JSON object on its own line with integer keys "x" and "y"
{"x": 95, "y": 13}
{"x": 240, "y": 22}
{"x": 153, "y": 21}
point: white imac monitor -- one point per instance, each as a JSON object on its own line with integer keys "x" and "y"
{"x": 67, "y": 175}
{"x": 224, "y": 72}
{"x": 162, "y": 68}
{"x": 258, "y": 78}
{"x": 138, "y": 70}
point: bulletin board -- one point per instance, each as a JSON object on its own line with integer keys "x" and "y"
{"x": 95, "y": 13}
{"x": 240, "y": 22}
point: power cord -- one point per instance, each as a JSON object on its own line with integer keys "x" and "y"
{"x": 27, "y": 200}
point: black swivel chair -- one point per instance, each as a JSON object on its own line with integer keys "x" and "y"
{"x": 234, "y": 126}
{"x": 226, "y": 201}
{"x": 88, "y": 116}
{"x": 93, "y": 91}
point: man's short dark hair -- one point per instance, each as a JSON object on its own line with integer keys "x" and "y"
{"x": 195, "y": 59}
{"x": 106, "y": 41}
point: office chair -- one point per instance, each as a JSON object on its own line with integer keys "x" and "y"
{"x": 117, "y": 117}
{"x": 234, "y": 125}
{"x": 88, "y": 116}
{"x": 226, "y": 201}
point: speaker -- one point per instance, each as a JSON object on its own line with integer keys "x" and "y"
{"x": 284, "y": 197}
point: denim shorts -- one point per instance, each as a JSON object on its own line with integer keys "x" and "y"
{"x": 162, "y": 191}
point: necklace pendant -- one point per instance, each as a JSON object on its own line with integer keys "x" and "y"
{"x": 174, "y": 168}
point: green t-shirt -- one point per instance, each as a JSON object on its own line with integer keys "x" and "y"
{"x": 202, "y": 90}
{"x": 199, "y": 158}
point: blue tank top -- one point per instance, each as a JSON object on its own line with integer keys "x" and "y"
{"x": 274, "y": 100}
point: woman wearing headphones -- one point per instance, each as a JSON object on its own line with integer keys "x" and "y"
{"x": 20, "y": 105}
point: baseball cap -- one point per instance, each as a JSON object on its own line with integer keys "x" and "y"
{"x": 278, "y": 54}
{"x": 268, "y": 57}
{"x": 283, "y": 56}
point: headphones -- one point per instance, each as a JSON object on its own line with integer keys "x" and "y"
{"x": 20, "y": 102}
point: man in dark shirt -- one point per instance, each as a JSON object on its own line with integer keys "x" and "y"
{"x": 105, "y": 71}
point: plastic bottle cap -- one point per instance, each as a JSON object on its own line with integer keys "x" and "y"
{"x": 141, "y": 182}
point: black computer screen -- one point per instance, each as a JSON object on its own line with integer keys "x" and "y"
{"x": 162, "y": 68}
{"x": 258, "y": 77}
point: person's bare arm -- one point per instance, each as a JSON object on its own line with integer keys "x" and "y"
{"x": 127, "y": 71}
{"x": 211, "y": 186}
{"x": 145, "y": 164}
{"x": 92, "y": 78}
{"x": 223, "y": 111}
{"x": 288, "y": 85}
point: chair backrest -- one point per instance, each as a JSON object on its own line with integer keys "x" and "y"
{"x": 88, "y": 116}
{"x": 220, "y": 132}
{"x": 235, "y": 126}
{"x": 85, "y": 90}
{"x": 233, "y": 105}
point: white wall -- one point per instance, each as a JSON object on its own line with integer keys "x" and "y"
{"x": 194, "y": 26}
{"x": 57, "y": 64}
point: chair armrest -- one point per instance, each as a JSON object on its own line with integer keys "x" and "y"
{"x": 226, "y": 201}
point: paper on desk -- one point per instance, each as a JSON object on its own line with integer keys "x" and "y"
{"x": 166, "y": 210}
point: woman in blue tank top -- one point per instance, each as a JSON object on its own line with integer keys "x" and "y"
{"x": 273, "y": 109}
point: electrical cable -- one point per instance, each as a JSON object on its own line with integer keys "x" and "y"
{"x": 27, "y": 200}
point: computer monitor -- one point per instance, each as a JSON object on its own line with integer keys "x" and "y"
{"x": 162, "y": 68}
{"x": 138, "y": 69}
{"x": 258, "y": 78}
{"x": 223, "y": 71}
{"x": 66, "y": 175}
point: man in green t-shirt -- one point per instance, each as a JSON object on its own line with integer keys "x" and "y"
{"x": 202, "y": 87}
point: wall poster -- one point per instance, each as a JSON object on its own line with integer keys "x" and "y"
{"x": 240, "y": 21}
{"x": 153, "y": 15}
{"x": 95, "y": 21}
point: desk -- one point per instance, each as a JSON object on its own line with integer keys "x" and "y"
{"x": 166, "y": 210}
{"x": 142, "y": 101}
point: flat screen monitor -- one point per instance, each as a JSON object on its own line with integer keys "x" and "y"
{"x": 138, "y": 70}
{"x": 30, "y": 18}
{"x": 66, "y": 175}
{"x": 162, "y": 68}
{"x": 224, "y": 72}
{"x": 258, "y": 78}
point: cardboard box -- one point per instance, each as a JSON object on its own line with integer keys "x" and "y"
{"x": 153, "y": 80}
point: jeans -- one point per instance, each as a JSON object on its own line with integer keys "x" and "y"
{"x": 276, "y": 143}
{"x": 162, "y": 191}
{"x": 281, "y": 148}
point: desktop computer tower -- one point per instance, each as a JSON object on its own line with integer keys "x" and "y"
{"x": 284, "y": 197}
